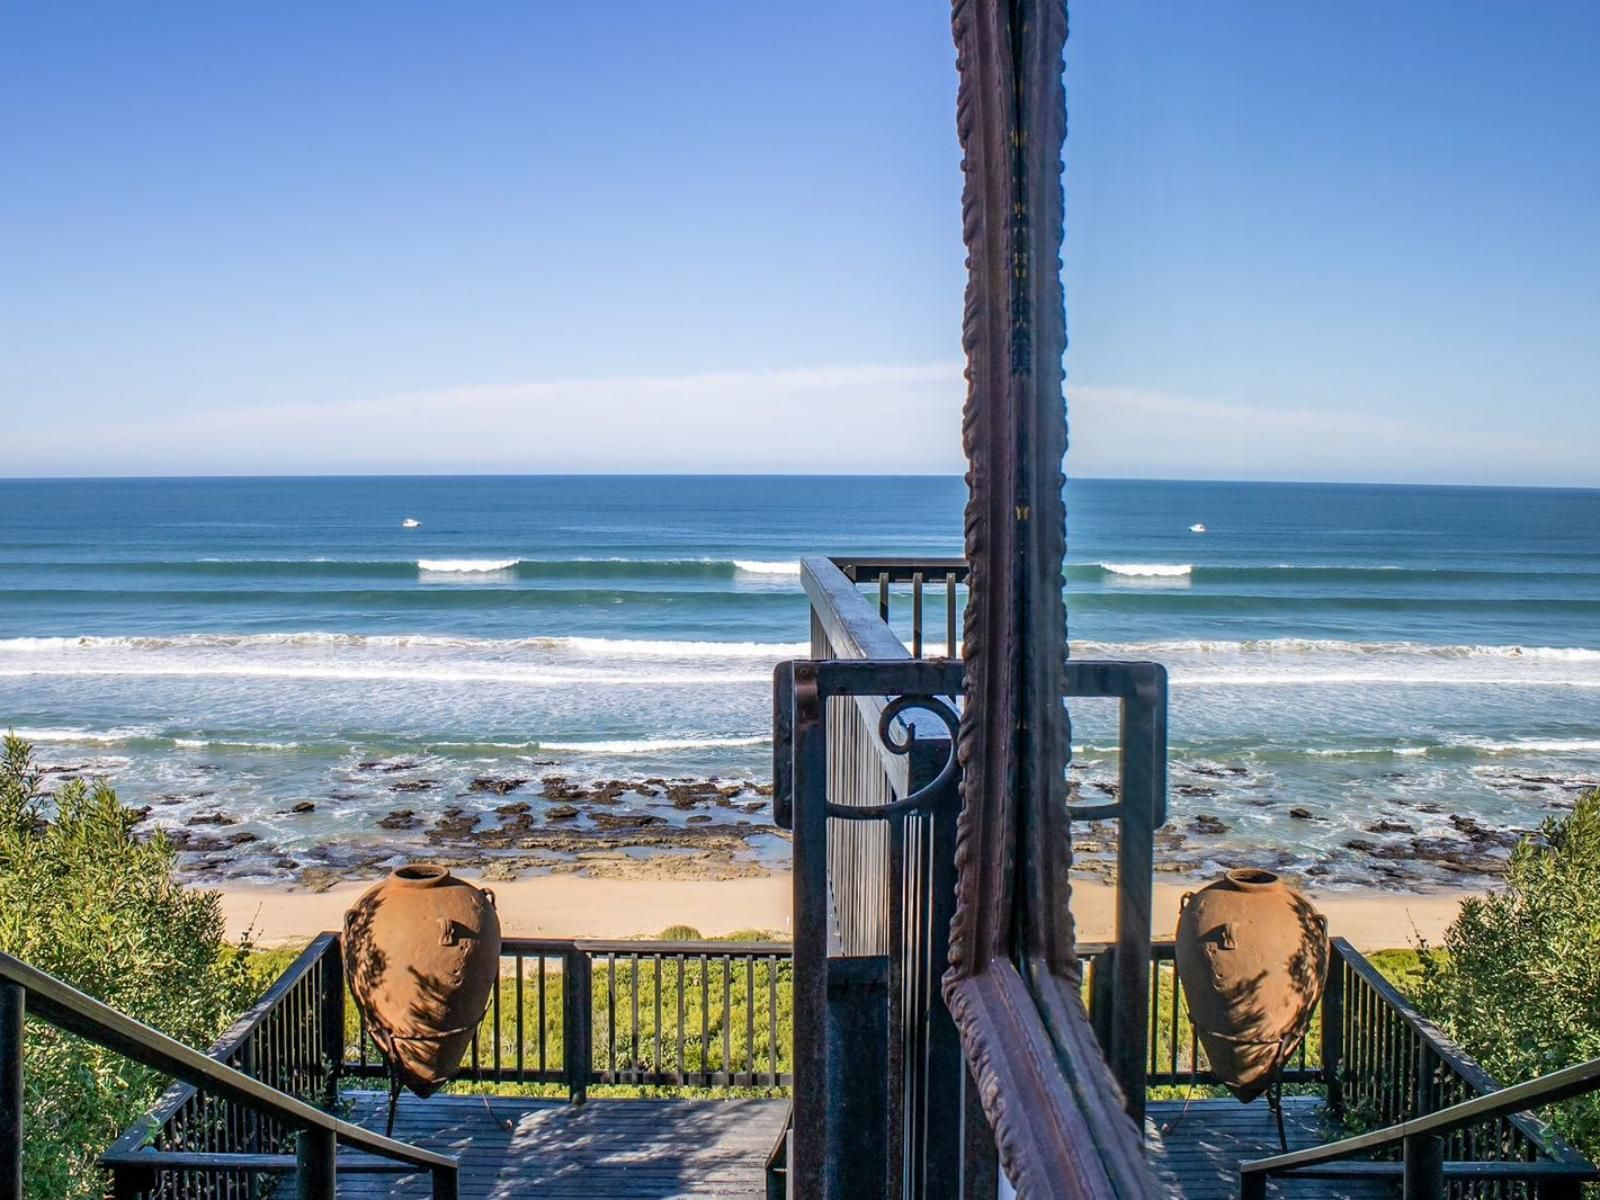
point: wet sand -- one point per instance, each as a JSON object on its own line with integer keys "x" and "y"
{"x": 576, "y": 906}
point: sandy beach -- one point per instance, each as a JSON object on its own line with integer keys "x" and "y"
{"x": 575, "y": 906}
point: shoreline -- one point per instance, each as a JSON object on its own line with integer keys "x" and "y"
{"x": 576, "y": 906}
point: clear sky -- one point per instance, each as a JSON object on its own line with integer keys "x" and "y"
{"x": 1355, "y": 241}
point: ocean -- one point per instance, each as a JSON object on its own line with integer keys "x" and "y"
{"x": 1363, "y": 677}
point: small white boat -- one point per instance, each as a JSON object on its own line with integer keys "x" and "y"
{"x": 1197, "y": 527}
{"x": 410, "y": 523}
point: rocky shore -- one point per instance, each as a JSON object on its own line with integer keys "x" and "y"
{"x": 540, "y": 818}
{"x": 651, "y": 828}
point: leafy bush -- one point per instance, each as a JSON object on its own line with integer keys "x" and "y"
{"x": 82, "y": 898}
{"x": 1518, "y": 982}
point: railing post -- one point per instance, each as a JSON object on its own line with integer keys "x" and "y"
{"x": 577, "y": 1023}
{"x": 446, "y": 1183}
{"x": 130, "y": 1183}
{"x": 316, "y": 1156}
{"x": 1333, "y": 1033}
{"x": 12, "y": 1006}
{"x": 1424, "y": 1168}
{"x": 332, "y": 1015}
{"x": 1558, "y": 1189}
{"x": 1102, "y": 1000}
{"x": 1253, "y": 1185}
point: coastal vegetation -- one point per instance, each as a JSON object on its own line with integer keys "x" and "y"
{"x": 1517, "y": 979}
{"x": 82, "y": 898}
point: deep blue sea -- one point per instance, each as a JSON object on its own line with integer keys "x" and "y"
{"x": 1360, "y": 654}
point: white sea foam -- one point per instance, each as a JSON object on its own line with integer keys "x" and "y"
{"x": 1149, "y": 570}
{"x": 91, "y": 737}
{"x": 1534, "y": 745}
{"x": 639, "y": 648}
{"x": 464, "y": 566}
{"x": 654, "y": 745}
{"x": 748, "y": 566}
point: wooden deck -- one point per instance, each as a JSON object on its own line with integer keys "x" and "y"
{"x": 661, "y": 1149}
{"x": 1197, "y": 1153}
{"x": 629, "y": 1149}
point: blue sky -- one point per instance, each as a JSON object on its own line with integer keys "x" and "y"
{"x": 1319, "y": 242}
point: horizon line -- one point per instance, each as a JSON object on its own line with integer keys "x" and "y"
{"x": 392, "y": 475}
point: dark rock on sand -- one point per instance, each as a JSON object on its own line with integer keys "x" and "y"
{"x": 626, "y": 820}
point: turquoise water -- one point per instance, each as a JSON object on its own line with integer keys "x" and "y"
{"x": 1363, "y": 654}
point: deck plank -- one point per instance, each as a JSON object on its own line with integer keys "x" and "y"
{"x": 1196, "y": 1151}
{"x": 512, "y": 1147}
{"x": 627, "y": 1149}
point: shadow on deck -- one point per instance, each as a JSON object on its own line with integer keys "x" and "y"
{"x": 1197, "y": 1152}
{"x": 658, "y": 1149}
{"x": 629, "y": 1149}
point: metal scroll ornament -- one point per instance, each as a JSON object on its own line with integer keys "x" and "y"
{"x": 1253, "y": 957}
{"x": 422, "y": 953}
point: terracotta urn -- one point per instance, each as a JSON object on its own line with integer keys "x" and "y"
{"x": 422, "y": 955}
{"x": 1253, "y": 956}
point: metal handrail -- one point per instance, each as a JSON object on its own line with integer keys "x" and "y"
{"x": 1564, "y": 1084}
{"x": 23, "y": 987}
{"x": 134, "y": 1140}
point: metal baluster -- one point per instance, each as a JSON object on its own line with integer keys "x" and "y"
{"x": 1177, "y": 1010}
{"x": 611, "y": 1017}
{"x": 772, "y": 1014}
{"x": 727, "y": 1017}
{"x": 883, "y": 596}
{"x": 916, "y": 614}
{"x": 750, "y": 1015}
{"x": 681, "y": 967}
{"x": 633, "y": 1031}
{"x": 950, "y": 648}
{"x": 494, "y": 1011}
{"x": 542, "y": 1026}
{"x": 657, "y": 1060}
{"x": 522, "y": 1031}
{"x": 705, "y": 1020}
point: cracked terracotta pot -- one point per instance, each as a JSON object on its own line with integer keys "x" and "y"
{"x": 1253, "y": 956}
{"x": 422, "y": 954}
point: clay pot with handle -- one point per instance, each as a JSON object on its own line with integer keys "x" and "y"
{"x": 1253, "y": 957}
{"x": 422, "y": 954}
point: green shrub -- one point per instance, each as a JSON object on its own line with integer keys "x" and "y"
{"x": 680, "y": 933}
{"x": 1518, "y": 981}
{"x": 82, "y": 898}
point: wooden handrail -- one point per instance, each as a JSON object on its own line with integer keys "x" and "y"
{"x": 1564, "y": 1084}
{"x": 76, "y": 1012}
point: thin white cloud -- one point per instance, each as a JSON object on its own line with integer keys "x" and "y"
{"x": 1125, "y": 431}
{"x": 855, "y": 418}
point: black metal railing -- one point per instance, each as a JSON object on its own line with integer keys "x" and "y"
{"x": 712, "y": 1015}
{"x": 885, "y": 781}
{"x": 565, "y": 1015}
{"x": 307, "y": 1137}
{"x": 1174, "y": 1056}
{"x": 1421, "y": 1152}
